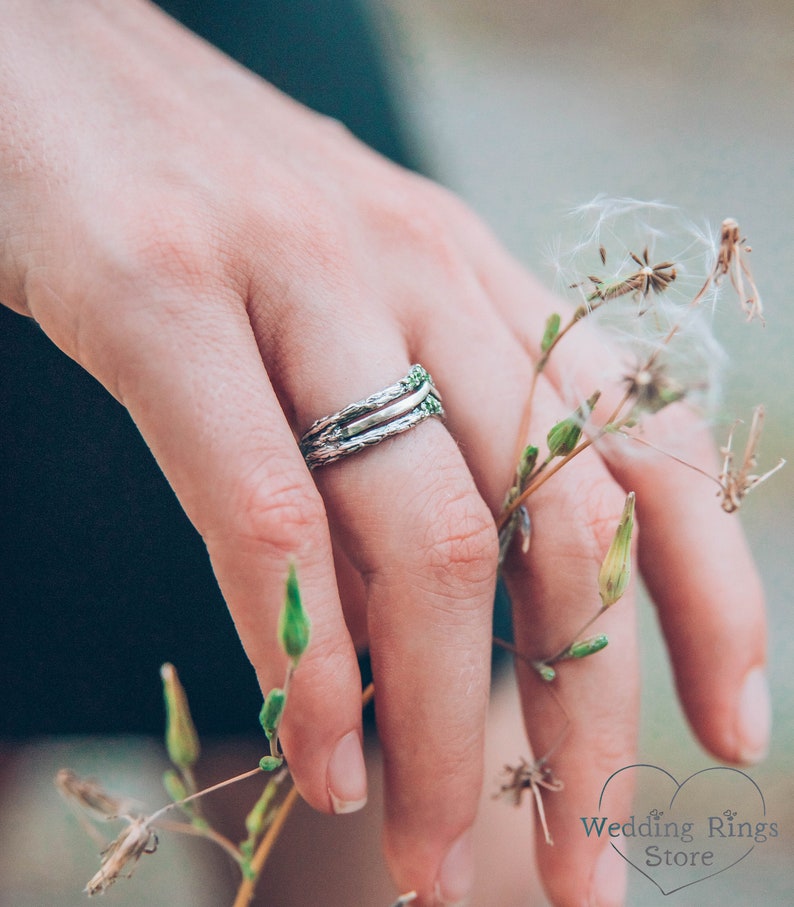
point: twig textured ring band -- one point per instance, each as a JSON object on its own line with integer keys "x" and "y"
{"x": 395, "y": 409}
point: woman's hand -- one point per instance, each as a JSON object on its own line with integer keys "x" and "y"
{"x": 231, "y": 267}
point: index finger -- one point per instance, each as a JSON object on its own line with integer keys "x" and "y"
{"x": 187, "y": 367}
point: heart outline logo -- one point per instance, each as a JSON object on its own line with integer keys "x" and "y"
{"x": 679, "y": 786}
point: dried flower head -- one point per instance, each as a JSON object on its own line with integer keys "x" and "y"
{"x": 731, "y": 261}
{"x": 651, "y": 388}
{"x": 649, "y": 278}
{"x": 737, "y": 482}
{"x": 136, "y": 838}
{"x": 90, "y": 796}
{"x": 519, "y": 521}
{"x": 123, "y": 853}
{"x": 530, "y": 776}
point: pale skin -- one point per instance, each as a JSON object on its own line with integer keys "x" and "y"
{"x": 231, "y": 266}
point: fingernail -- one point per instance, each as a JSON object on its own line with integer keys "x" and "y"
{"x": 347, "y": 775}
{"x": 754, "y": 717}
{"x": 456, "y": 876}
{"x": 608, "y": 888}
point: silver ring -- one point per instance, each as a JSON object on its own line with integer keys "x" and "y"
{"x": 395, "y": 409}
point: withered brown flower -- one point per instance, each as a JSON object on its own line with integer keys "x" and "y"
{"x": 531, "y": 776}
{"x": 737, "y": 482}
{"x": 123, "y": 853}
{"x": 731, "y": 261}
{"x": 90, "y": 795}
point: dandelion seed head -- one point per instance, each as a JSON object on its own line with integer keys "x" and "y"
{"x": 637, "y": 266}
{"x": 624, "y": 225}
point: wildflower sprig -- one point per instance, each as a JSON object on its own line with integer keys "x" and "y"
{"x": 648, "y": 388}
{"x": 561, "y": 441}
{"x": 294, "y": 631}
{"x": 264, "y": 821}
{"x": 613, "y": 580}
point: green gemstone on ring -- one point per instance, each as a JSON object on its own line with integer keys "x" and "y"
{"x": 431, "y": 406}
{"x": 416, "y": 378}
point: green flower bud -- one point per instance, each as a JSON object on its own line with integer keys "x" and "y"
{"x": 174, "y": 785}
{"x": 271, "y": 711}
{"x": 615, "y": 572}
{"x": 293, "y": 624}
{"x": 256, "y": 820}
{"x": 550, "y": 334}
{"x": 584, "y": 647}
{"x": 270, "y": 763}
{"x": 181, "y": 739}
{"x": 526, "y": 464}
{"x": 565, "y": 435}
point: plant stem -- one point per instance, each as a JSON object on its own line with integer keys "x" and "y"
{"x": 542, "y": 475}
{"x": 203, "y": 832}
{"x": 513, "y": 650}
{"x": 579, "y": 314}
{"x": 207, "y": 790}
{"x": 563, "y": 651}
{"x": 274, "y": 744}
{"x": 505, "y": 515}
{"x": 247, "y": 887}
{"x": 526, "y": 416}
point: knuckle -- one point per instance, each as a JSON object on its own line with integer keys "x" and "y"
{"x": 328, "y": 241}
{"x": 418, "y": 216}
{"x": 281, "y": 515}
{"x": 172, "y": 242}
{"x": 460, "y": 543}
